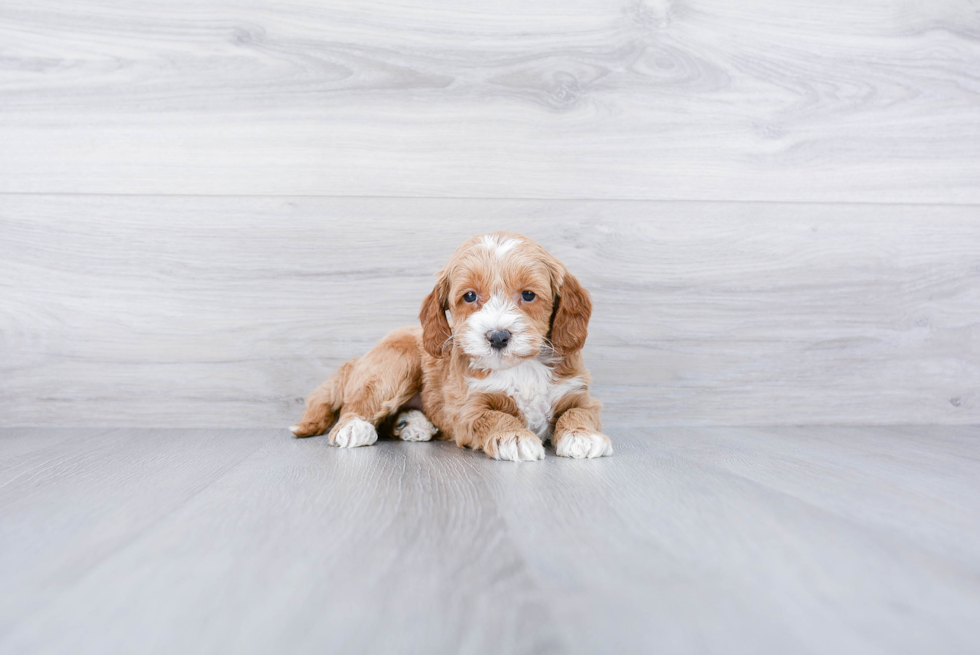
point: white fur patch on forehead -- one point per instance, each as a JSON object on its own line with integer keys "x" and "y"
{"x": 499, "y": 246}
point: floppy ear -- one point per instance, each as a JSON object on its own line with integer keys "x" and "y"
{"x": 435, "y": 327}
{"x": 570, "y": 317}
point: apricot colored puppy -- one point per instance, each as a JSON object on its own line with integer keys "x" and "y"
{"x": 496, "y": 364}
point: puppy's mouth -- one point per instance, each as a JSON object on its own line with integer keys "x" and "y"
{"x": 499, "y": 349}
{"x": 498, "y": 360}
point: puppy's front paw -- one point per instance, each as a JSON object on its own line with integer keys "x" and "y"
{"x": 353, "y": 433}
{"x": 515, "y": 446}
{"x": 414, "y": 426}
{"x": 583, "y": 444}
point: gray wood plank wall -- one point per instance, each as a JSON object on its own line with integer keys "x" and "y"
{"x": 205, "y": 207}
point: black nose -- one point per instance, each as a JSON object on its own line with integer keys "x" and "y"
{"x": 498, "y": 339}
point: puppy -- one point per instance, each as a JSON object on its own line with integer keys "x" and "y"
{"x": 502, "y": 373}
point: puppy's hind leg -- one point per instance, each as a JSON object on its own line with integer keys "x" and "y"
{"x": 381, "y": 382}
{"x": 324, "y": 403}
{"x": 413, "y": 425}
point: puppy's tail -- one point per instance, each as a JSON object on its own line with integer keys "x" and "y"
{"x": 324, "y": 403}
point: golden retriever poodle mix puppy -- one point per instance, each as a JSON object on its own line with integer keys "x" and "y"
{"x": 496, "y": 364}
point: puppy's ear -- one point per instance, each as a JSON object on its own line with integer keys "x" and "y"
{"x": 435, "y": 327}
{"x": 570, "y": 316}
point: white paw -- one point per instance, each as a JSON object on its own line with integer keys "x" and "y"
{"x": 294, "y": 429}
{"x": 584, "y": 444}
{"x": 519, "y": 447}
{"x": 355, "y": 432}
{"x": 414, "y": 426}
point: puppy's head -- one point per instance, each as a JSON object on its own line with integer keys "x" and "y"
{"x": 508, "y": 301}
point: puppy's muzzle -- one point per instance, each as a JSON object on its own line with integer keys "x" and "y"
{"x": 498, "y": 339}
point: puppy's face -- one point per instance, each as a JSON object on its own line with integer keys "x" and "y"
{"x": 508, "y": 301}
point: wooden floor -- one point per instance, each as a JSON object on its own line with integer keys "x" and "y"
{"x": 688, "y": 540}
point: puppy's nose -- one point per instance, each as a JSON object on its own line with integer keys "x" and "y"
{"x": 498, "y": 339}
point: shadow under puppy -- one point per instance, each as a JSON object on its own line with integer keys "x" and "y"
{"x": 502, "y": 373}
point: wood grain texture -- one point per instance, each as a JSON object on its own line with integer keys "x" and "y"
{"x": 132, "y": 479}
{"x": 706, "y": 540}
{"x": 690, "y": 99}
{"x": 198, "y": 311}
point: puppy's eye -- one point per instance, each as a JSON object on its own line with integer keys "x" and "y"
{"x": 469, "y": 296}
{"x": 528, "y": 296}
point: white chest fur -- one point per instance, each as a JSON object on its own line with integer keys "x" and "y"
{"x": 533, "y": 388}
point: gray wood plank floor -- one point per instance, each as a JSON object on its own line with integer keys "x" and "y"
{"x": 688, "y": 540}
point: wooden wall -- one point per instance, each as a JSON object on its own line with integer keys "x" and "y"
{"x": 206, "y": 206}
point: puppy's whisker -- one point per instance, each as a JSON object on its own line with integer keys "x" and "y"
{"x": 548, "y": 350}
